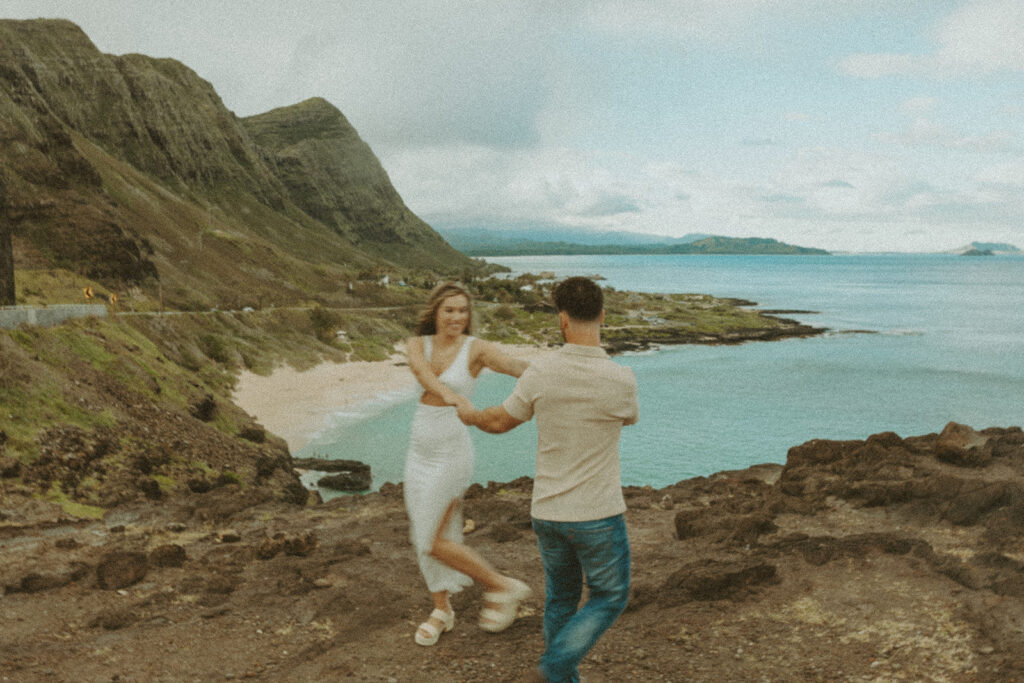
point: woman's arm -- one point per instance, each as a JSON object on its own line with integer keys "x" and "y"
{"x": 493, "y": 420}
{"x": 420, "y": 367}
{"x": 489, "y": 356}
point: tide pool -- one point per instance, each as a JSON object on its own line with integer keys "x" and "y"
{"x": 948, "y": 346}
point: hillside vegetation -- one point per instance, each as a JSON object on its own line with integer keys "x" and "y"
{"x": 130, "y": 171}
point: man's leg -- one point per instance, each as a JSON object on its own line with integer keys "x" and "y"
{"x": 602, "y": 549}
{"x": 563, "y": 578}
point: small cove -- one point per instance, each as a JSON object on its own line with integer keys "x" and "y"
{"x": 947, "y": 346}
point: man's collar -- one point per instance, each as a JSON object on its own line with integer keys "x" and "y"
{"x": 580, "y": 350}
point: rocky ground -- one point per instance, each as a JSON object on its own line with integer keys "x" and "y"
{"x": 881, "y": 560}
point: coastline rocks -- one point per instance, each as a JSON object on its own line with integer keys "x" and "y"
{"x": 348, "y": 475}
{"x": 643, "y": 338}
{"x": 907, "y": 475}
{"x": 961, "y": 477}
{"x": 883, "y": 558}
{"x": 346, "y": 481}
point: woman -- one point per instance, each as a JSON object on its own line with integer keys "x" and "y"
{"x": 446, "y": 361}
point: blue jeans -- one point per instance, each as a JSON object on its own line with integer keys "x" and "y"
{"x": 599, "y": 551}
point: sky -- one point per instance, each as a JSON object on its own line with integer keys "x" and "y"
{"x": 847, "y": 125}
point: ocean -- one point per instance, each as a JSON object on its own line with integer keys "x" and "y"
{"x": 915, "y": 341}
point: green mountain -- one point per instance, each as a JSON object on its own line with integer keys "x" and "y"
{"x": 474, "y": 236}
{"x": 131, "y": 171}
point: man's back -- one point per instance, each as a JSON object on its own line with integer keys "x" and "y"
{"x": 581, "y": 399}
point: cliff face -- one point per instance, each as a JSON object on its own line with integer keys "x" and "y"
{"x": 118, "y": 166}
{"x": 334, "y": 177}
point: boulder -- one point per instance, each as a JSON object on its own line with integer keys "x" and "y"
{"x": 962, "y": 446}
{"x": 168, "y": 555}
{"x": 254, "y": 433}
{"x": 346, "y": 481}
{"x": 204, "y": 409}
{"x": 120, "y": 569}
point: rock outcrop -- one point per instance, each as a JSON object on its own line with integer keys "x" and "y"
{"x": 881, "y": 559}
{"x": 887, "y": 558}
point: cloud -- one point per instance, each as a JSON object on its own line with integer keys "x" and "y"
{"x": 927, "y": 133}
{"x": 779, "y": 198}
{"x": 796, "y": 117}
{"x": 879, "y": 65}
{"x": 1008, "y": 175}
{"x": 918, "y": 105}
{"x": 429, "y": 73}
{"x": 707, "y": 22}
{"x": 982, "y": 37}
{"x": 559, "y": 186}
{"x": 611, "y": 205}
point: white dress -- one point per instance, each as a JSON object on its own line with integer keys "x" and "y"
{"x": 438, "y": 470}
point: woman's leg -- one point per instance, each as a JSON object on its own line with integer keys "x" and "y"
{"x": 441, "y": 602}
{"x": 462, "y": 558}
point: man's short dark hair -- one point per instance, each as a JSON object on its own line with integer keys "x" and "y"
{"x": 580, "y": 297}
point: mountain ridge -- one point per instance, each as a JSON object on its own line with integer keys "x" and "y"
{"x": 130, "y": 170}
{"x": 485, "y": 242}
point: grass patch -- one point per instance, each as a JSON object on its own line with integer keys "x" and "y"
{"x": 167, "y": 484}
{"x": 72, "y": 508}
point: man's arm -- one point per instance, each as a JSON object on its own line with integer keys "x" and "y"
{"x": 493, "y": 420}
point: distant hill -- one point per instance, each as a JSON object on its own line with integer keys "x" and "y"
{"x": 495, "y": 242}
{"x": 131, "y": 171}
{"x": 476, "y": 237}
{"x": 987, "y": 248}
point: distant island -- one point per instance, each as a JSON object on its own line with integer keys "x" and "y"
{"x": 484, "y": 242}
{"x": 987, "y": 249}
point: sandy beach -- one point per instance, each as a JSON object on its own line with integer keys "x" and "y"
{"x": 296, "y": 405}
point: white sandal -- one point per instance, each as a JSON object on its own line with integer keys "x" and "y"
{"x": 446, "y": 618}
{"x": 496, "y": 619}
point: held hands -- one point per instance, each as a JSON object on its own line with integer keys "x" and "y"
{"x": 465, "y": 409}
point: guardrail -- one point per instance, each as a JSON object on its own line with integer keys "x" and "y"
{"x": 46, "y": 316}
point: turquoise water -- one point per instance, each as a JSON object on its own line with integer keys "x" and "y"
{"x": 949, "y": 346}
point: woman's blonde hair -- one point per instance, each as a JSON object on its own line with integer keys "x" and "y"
{"x": 427, "y": 323}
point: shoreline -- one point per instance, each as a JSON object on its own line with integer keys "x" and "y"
{"x": 297, "y": 405}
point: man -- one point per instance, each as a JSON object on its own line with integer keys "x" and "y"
{"x": 581, "y": 400}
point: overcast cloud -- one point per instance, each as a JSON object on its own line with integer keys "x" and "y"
{"x": 846, "y": 125}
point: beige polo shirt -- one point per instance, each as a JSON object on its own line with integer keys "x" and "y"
{"x": 581, "y": 399}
